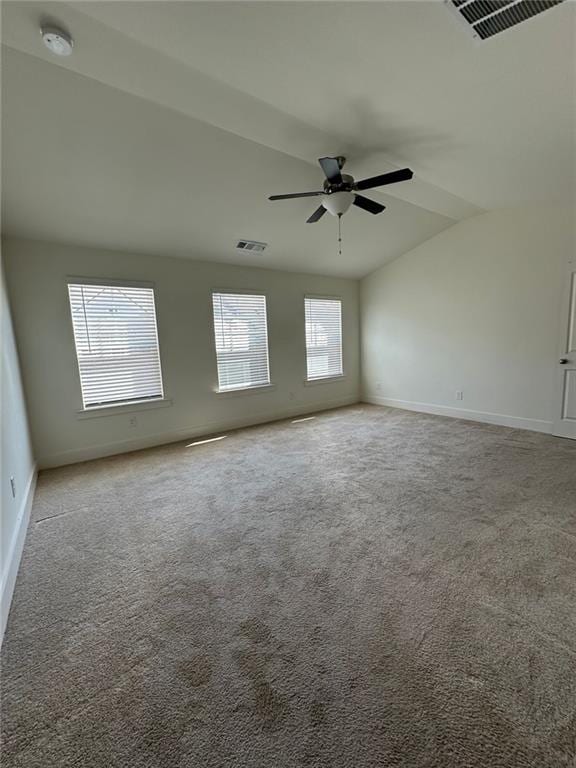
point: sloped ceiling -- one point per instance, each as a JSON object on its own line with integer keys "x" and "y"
{"x": 171, "y": 123}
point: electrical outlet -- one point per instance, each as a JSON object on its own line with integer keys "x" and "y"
{"x": 13, "y": 486}
{"x": 459, "y": 395}
{"x": 292, "y": 396}
{"x": 378, "y": 387}
{"x": 133, "y": 421}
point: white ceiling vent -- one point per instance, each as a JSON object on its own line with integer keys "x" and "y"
{"x": 250, "y": 245}
{"x": 486, "y": 18}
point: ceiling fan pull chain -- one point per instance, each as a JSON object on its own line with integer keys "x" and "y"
{"x": 339, "y": 234}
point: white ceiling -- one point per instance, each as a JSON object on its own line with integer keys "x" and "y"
{"x": 172, "y": 122}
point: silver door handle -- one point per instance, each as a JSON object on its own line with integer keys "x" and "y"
{"x": 563, "y": 360}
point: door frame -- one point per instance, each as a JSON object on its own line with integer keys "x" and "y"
{"x": 567, "y": 307}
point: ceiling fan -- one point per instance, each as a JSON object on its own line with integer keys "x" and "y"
{"x": 339, "y": 191}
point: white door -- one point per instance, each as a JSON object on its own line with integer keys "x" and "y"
{"x": 565, "y": 420}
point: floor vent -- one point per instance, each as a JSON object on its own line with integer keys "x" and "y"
{"x": 487, "y": 18}
{"x": 250, "y": 245}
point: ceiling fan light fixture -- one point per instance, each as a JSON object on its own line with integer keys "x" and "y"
{"x": 337, "y": 203}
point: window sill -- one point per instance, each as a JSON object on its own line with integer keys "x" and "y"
{"x": 245, "y": 390}
{"x": 324, "y": 380}
{"x": 114, "y": 410}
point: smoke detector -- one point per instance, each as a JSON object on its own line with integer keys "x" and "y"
{"x": 250, "y": 245}
{"x": 57, "y": 41}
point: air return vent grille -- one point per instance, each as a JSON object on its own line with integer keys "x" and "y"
{"x": 250, "y": 245}
{"x": 487, "y": 18}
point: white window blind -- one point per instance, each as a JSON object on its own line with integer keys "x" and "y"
{"x": 241, "y": 337}
{"x": 116, "y": 343}
{"x": 323, "y": 337}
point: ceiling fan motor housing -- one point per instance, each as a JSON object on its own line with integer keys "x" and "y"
{"x": 347, "y": 184}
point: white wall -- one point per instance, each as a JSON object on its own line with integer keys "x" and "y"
{"x": 16, "y": 460}
{"x": 36, "y": 274}
{"x": 474, "y": 309}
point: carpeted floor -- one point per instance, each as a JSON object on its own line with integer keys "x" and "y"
{"x": 368, "y": 588}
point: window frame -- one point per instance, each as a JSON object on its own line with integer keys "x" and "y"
{"x": 137, "y": 404}
{"x": 254, "y": 388}
{"x": 332, "y": 377}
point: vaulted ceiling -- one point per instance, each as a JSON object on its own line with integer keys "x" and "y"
{"x": 172, "y": 122}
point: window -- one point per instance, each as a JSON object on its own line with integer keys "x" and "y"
{"x": 241, "y": 338}
{"x": 116, "y": 343}
{"x": 323, "y": 337}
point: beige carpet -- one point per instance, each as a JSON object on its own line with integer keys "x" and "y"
{"x": 367, "y": 588}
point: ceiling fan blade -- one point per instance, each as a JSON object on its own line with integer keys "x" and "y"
{"x": 296, "y": 194}
{"x": 368, "y": 205}
{"x": 385, "y": 178}
{"x": 331, "y": 168}
{"x": 318, "y": 213}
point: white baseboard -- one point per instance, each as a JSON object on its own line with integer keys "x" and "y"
{"x": 503, "y": 420}
{"x": 15, "y": 548}
{"x": 199, "y": 430}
